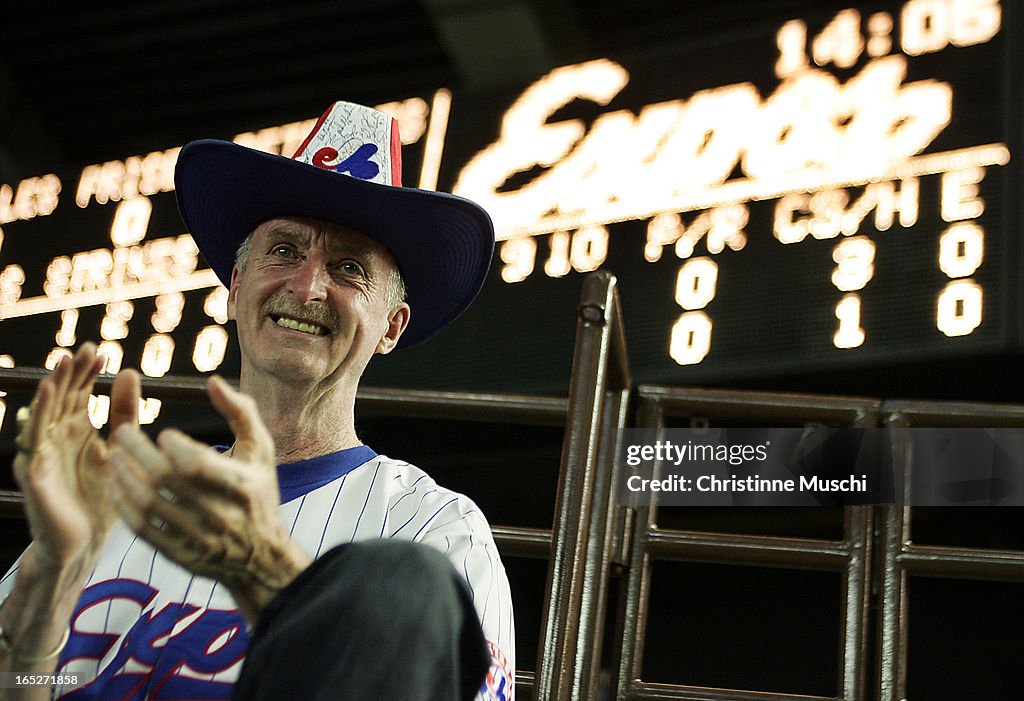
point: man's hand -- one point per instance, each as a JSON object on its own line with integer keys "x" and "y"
{"x": 63, "y": 470}
{"x": 62, "y": 465}
{"x": 215, "y": 514}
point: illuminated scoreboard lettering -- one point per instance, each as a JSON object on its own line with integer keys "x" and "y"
{"x": 834, "y": 190}
{"x": 854, "y": 206}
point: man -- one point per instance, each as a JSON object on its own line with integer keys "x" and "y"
{"x": 328, "y": 262}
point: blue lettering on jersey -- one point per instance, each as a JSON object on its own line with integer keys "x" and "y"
{"x": 213, "y": 642}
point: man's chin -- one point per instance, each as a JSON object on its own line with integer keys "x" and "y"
{"x": 292, "y": 368}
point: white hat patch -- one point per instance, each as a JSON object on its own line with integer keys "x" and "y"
{"x": 357, "y": 141}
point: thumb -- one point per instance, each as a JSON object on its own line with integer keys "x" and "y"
{"x": 125, "y": 396}
{"x": 252, "y": 439}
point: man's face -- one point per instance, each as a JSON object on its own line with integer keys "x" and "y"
{"x": 311, "y": 302}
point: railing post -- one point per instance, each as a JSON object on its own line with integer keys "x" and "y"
{"x": 573, "y": 610}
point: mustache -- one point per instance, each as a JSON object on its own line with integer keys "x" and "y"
{"x": 282, "y": 304}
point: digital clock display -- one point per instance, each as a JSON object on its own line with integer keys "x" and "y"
{"x": 830, "y": 190}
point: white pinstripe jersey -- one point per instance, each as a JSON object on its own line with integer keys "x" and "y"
{"x": 187, "y": 639}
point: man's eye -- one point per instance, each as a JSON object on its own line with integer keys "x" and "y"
{"x": 282, "y": 251}
{"x": 350, "y": 268}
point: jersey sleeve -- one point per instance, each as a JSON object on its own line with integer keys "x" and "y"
{"x": 463, "y": 535}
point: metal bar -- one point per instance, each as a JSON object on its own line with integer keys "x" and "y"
{"x": 858, "y": 535}
{"x": 893, "y": 627}
{"x": 496, "y": 408}
{"x": 526, "y": 683}
{"x": 614, "y": 410}
{"x": 748, "y": 549}
{"x": 646, "y": 691}
{"x": 940, "y": 561}
{"x": 168, "y": 387}
{"x": 892, "y": 633}
{"x": 857, "y": 532}
{"x": 622, "y": 378}
{"x": 601, "y": 544}
{"x": 568, "y": 588}
{"x": 633, "y": 625}
{"x": 522, "y": 542}
{"x": 775, "y": 406}
{"x": 12, "y": 504}
{"x": 955, "y": 414}
{"x": 506, "y": 408}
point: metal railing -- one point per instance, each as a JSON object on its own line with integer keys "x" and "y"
{"x": 901, "y": 557}
{"x": 570, "y": 650}
{"x": 875, "y": 556}
{"x": 851, "y": 556}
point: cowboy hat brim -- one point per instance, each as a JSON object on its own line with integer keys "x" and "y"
{"x": 443, "y": 244}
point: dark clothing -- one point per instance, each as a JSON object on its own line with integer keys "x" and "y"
{"x": 374, "y": 620}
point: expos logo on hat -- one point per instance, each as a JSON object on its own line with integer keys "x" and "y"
{"x": 357, "y": 141}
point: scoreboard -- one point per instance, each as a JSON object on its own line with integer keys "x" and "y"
{"x": 826, "y": 191}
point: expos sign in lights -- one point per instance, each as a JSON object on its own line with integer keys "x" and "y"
{"x": 805, "y": 146}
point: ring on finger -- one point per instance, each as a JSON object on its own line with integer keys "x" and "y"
{"x": 22, "y": 417}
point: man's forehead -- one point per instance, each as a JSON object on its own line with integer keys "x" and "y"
{"x": 336, "y": 237}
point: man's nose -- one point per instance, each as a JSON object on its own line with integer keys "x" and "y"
{"x": 310, "y": 281}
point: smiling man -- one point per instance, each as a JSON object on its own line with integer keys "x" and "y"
{"x": 298, "y": 563}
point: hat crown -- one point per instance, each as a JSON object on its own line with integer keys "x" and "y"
{"x": 357, "y": 141}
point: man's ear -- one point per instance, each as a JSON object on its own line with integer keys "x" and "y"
{"x": 233, "y": 291}
{"x": 398, "y": 320}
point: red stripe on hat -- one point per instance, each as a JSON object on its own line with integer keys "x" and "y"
{"x": 396, "y": 154}
{"x": 313, "y": 132}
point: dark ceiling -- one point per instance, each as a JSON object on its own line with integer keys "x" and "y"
{"x": 87, "y": 82}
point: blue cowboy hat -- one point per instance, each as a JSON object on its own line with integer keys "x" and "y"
{"x": 348, "y": 171}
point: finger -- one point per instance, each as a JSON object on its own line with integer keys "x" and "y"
{"x": 199, "y": 472}
{"x": 142, "y": 450}
{"x": 253, "y": 441}
{"x": 85, "y": 367}
{"x": 39, "y": 415}
{"x": 60, "y": 378}
{"x": 197, "y": 538}
{"x": 97, "y": 453}
{"x": 147, "y": 511}
{"x": 29, "y": 473}
{"x": 124, "y": 400}
{"x": 29, "y": 433}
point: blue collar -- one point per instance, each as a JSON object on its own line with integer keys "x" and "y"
{"x": 297, "y": 479}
